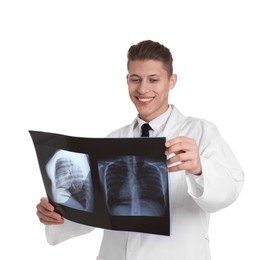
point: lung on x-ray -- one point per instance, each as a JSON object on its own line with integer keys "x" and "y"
{"x": 70, "y": 175}
{"x": 133, "y": 185}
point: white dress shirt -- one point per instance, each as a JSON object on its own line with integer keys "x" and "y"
{"x": 156, "y": 124}
{"x": 192, "y": 198}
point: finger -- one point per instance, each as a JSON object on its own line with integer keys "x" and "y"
{"x": 52, "y": 218}
{"x": 50, "y": 221}
{"x": 46, "y": 214}
{"x": 182, "y": 157}
{"x": 185, "y": 166}
{"x": 191, "y": 166}
{"x": 45, "y": 204}
{"x": 179, "y": 139}
{"x": 180, "y": 148}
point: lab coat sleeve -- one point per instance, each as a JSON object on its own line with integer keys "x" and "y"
{"x": 56, "y": 234}
{"x": 222, "y": 177}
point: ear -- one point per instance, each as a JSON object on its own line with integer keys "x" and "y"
{"x": 172, "y": 81}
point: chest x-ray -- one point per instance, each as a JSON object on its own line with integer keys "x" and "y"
{"x": 70, "y": 176}
{"x": 133, "y": 185}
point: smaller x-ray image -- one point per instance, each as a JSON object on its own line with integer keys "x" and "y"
{"x": 134, "y": 186}
{"x": 70, "y": 175}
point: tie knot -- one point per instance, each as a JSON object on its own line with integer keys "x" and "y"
{"x": 145, "y": 129}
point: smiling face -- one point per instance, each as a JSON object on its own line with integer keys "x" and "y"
{"x": 149, "y": 85}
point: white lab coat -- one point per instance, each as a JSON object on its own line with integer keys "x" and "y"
{"x": 193, "y": 198}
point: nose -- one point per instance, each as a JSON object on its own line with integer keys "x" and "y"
{"x": 143, "y": 87}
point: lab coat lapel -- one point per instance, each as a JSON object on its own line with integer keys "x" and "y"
{"x": 174, "y": 124}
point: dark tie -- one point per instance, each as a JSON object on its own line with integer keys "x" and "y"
{"x": 145, "y": 129}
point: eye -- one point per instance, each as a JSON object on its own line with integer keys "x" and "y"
{"x": 153, "y": 80}
{"x": 134, "y": 80}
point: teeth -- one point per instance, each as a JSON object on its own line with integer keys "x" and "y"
{"x": 145, "y": 99}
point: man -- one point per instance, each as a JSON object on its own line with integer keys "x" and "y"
{"x": 204, "y": 175}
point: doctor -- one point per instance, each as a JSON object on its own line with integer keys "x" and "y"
{"x": 204, "y": 174}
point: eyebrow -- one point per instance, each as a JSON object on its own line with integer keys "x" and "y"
{"x": 136, "y": 75}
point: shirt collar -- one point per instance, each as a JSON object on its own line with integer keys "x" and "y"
{"x": 158, "y": 121}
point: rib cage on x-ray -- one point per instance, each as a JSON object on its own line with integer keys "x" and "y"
{"x": 70, "y": 176}
{"x": 134, "y": 185}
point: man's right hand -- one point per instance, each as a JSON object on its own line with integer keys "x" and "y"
{"x": 46, "y": 213}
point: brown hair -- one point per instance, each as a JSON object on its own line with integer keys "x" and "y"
{"x": 150, "y": 50}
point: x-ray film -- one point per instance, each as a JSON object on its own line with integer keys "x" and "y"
{"x": 111, "y": 183}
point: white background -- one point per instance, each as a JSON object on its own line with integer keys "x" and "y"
{"x": 63, "y": 68}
